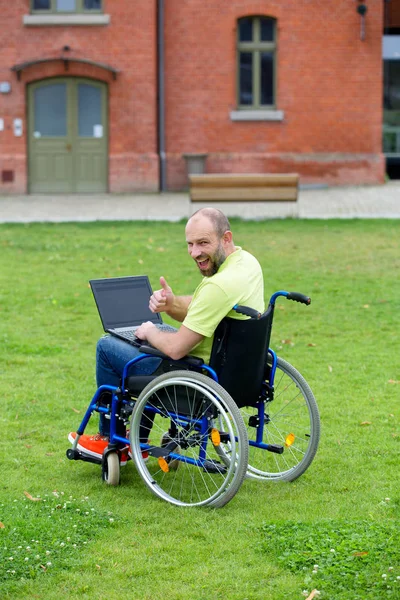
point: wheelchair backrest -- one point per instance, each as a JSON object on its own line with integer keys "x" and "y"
{"x": 239, "y": 356}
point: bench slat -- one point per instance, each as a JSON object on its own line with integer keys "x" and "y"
{"x": 244, "y": 180}
{"x": 244, "y": 187}
{"x": 243, "y": 194}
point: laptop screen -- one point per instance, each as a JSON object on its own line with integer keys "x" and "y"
{"x": 123, "y": 301}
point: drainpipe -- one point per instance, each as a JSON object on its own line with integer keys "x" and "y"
{"x": 161, "y": 95}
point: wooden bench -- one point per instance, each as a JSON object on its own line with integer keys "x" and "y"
{"x": 244, "y": 187}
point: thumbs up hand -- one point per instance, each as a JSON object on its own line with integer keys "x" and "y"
{"x": 162, "y": 300}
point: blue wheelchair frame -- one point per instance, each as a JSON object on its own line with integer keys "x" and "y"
{"x": 117, "y": 441}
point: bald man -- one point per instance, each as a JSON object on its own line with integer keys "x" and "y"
{"x": 230, "y": 276}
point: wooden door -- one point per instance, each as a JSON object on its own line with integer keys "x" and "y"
{"x": 67, "y": 130}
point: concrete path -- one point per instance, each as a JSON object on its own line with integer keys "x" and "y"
{"x": 324, "y": 203}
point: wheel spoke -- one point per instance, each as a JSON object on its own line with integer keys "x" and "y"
{"x": 292, "y": 412}
{"x": 185, "y": 406}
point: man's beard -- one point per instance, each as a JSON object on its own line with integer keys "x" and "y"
{"x": 215, "y": 262}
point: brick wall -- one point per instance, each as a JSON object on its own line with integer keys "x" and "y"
{"x": 128, "y": 43}
{"x": 328, "y": 85}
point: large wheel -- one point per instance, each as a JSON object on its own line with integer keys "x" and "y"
{"x": 291, "y": 423}
{"x": 197, "y": 415}
{"x": 111, "y": 469}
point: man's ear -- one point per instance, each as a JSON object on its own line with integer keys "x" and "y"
{"x": 227, "y": 237}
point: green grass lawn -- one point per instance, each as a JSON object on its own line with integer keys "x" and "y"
{"x": 64, "y": 533}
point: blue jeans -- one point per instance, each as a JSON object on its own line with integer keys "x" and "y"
{"x": 112, "y": 354}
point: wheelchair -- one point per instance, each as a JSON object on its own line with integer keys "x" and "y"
{"x": 196, "y": 431}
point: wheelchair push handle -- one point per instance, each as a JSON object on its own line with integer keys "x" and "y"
{"x": 254, "y": 314}
{"x": 297, "y": 297}
{"x": 246, "y": 310}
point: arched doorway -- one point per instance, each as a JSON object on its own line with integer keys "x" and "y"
{"x": 67, "y": 129}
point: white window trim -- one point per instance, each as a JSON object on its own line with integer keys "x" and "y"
{"x": 77, "y": 19}
{"x": 257, "y": 115}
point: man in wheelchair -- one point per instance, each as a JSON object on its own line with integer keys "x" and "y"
{"x": 231, "y": 276}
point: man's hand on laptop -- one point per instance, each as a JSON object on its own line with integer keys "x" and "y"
{"x": 144, "y": 330}
{"x": 175, "y": 344}
{"x": 162, "y": 300}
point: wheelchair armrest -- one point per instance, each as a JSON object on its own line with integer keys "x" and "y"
{"x": 192, "y": 361}
{"x": 153, "y": 351}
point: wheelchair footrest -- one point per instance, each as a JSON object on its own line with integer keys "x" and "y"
{"x": 163, "y": 451}
{"x": 275, "y": 448}
{"x": 77, "y": 455}
{"x": 211, "y": 466}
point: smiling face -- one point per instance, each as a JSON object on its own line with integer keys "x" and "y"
{"x": 206, "y": 248}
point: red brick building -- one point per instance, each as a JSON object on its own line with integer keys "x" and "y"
{"x": 110, "y": 95}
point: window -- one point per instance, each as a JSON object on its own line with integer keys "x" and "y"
{"x": 50, "y": 116}
{"x": 66, "y": 6}
{"x": 391, "y": 87}
{"x": 391, "y": 107}
{"x": 256, "y": 55}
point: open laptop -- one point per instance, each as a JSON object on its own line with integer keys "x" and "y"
{"x": 123, "y": 305}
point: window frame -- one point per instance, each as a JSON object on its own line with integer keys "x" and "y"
{"x": 79, "y": 10}
{"x": 391, "y": 116}
{"x": 256, "y": 47}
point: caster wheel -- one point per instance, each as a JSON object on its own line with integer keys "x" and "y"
{"x": 111, "y": 468}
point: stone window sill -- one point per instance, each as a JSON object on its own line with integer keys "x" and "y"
{"x": 257, "y": 115}
{"x": 38, "y": 20}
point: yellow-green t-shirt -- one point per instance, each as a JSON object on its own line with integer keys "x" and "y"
{"x": 239, "y": 280}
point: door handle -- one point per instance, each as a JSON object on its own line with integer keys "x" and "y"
{"x": 68, "y": 147}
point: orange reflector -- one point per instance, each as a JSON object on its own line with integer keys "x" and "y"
{"x": 163, "y": 464}
{"x": 215, "y": 437}
{"x": 289, "y": 439}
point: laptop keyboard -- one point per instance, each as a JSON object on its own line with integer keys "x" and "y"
{"x": 129, "y": 334}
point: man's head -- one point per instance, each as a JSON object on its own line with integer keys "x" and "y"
{"x": 209, "y": 239}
